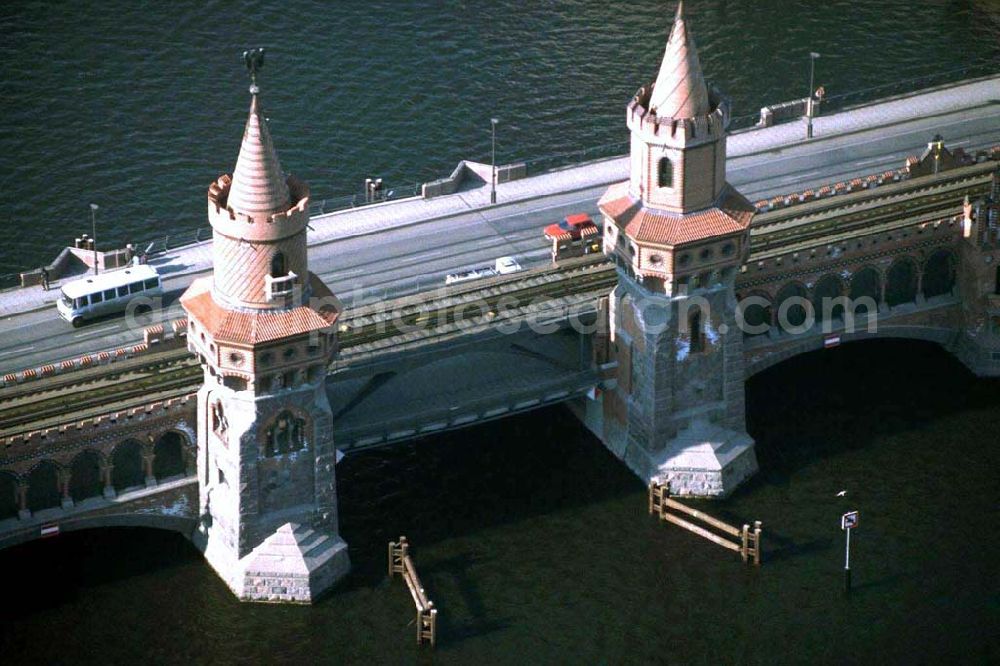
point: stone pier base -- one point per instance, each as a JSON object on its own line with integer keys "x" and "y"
{"x": 703, "y": 460}
{"x": 296, "y": 564}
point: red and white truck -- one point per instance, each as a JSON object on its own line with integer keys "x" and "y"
{"x": 573, "y": 236}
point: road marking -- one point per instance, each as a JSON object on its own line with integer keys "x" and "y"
{"x": 533, "y": 210}
{"x": 96, "y": 331}
{"x": 16, "y": 351}
{"x": 798, "y": 176}
{"x": 876, "y": 160}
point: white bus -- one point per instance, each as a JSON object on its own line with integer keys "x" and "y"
{"x": 107, "y": 293}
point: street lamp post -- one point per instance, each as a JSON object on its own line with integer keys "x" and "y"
{"x": 93, "y": 232}
{"x": 493, "y": 161}
{"x": 809, "y": 100}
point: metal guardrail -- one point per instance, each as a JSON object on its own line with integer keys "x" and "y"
{"x": 912, "y": 84}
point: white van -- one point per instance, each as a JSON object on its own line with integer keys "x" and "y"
{"x": 502, "y": 266}
{"x": 107, "y": 293}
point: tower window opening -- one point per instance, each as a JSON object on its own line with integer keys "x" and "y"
{"x": 219, "y": 422}
{"x": 280, "y": 282}
{"x": 666, "y": 172}
{"x": 278, "y": 267}
{"x": 284, "y": 435}
{"x": 234, "y": 383}
{"x": 697, "y": 331}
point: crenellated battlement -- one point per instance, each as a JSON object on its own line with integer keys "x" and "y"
{"x": 273, "y": 226}
{"x": 676, "y": 132}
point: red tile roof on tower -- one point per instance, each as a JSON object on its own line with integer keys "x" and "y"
{"x": 250, "y": 327}
{"x": 680, "y": 90}
{"x": 731, "y": 214}
{"x": 259, "y": 185}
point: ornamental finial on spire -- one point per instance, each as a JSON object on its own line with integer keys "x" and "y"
{"x": 254, "y": 59}
{"x": 259, "y": 186}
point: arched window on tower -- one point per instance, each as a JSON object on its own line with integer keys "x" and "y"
{"x": 280, "y": 282}
{"x": 666, "y": 172}
{"x": 278, "y": 267}
{"x": 284, "y": 435}
{"x": 696, "y": 327}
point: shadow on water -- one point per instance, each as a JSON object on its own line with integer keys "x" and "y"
{"x": 851, "y": 403}
{"x": 50, "y": 573}
{"x": 535, "y": 544}
{"x": 472, "y": 479}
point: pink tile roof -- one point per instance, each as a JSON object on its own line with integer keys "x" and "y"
{"x": 680, "y": 90}
{"x": 731, "y": 215}
{"x": 250, "y": 327}
{"x": 259, "y": 185}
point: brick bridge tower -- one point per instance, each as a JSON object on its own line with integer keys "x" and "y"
{"x": 263, "y": 328}
{"x": 678, "y": 234}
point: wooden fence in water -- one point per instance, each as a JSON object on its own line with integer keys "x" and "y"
{"x": 401, "y": 563}
{"x": 748, "y": 545}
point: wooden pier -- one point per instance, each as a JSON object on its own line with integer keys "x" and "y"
{"x": 748, "y": 545}
{"x": 401, "y": 563}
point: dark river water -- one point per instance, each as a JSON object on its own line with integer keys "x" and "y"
{"x": 137, "y": 106}
{"x": 536, "y": 545}
{"x": 532, "y": 540}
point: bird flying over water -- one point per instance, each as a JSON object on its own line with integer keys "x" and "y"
{"x": 842, "y": 493}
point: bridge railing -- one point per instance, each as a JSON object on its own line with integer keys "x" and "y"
{"x": 910, "y": 84}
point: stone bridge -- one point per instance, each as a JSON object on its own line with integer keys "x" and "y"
{"x": 904, "y": 254}
{"x": 134, "y": 470}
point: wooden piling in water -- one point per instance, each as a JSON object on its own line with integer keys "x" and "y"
{"x": 401, "y": 563}
{"x": 748, "y": 545}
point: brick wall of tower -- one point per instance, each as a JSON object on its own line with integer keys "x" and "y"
{"x": 256, "y": 493}
{"x": 667, "y": 385}
{"x": 241, "y": 267}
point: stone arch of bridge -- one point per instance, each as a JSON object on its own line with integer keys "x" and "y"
{"x": 757, "y": 312}
{"x": 43, "y": 489}
{"x": 127, "y": 465}
{"x": 941, "y": 336}
{"x": 173, "y": 455}
{"x": 866, "y": 282}
{"x": 183, "y": 525}
{"x": 790, "y": 305}
{"x": 824, "y": 292}
{"x": 9, "y": 501}
{"x": 86, "y": 474}
{"x": 938, "y": 273}
{"x": 901, "y": 281}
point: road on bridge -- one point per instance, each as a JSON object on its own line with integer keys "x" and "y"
{"x": 417, "y": 257}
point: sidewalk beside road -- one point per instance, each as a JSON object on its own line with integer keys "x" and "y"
{"x": 403, "y": 212}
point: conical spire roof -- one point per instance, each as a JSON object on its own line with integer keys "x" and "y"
{"x": 259, "y": 186}
{"x": 680, "y": 90}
